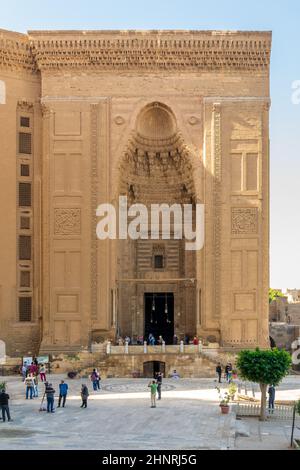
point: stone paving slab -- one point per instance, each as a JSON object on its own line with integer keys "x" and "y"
{"x": 120, "y": 417}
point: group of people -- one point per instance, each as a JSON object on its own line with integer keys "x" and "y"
{"x": 155, "y": 389}
{"x": 152, "y": 340}
{"x": 30, "y": 376}
{"x": 63, "y": 392}
{"x": 228, "y": 372}
{"x": 95, "y": 379}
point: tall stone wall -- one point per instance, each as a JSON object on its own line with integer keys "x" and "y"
{"x": 84, "y": 93}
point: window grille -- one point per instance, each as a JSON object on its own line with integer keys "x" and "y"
{"x": 25, "y": 309}
{"x": 24, "y": 143}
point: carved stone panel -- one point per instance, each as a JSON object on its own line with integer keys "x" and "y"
{"x": 244, "y": 220}
{"x": 67, "y": 221}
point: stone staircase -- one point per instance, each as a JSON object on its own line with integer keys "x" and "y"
{"x": 200, "y": 364}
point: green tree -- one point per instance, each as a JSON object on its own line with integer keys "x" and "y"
{"x": 274, "y": 294}
{"x": 265, "y": 368}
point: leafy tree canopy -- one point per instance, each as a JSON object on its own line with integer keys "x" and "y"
{"x": 264, "y": 367}
{"x": 274, "y": 294}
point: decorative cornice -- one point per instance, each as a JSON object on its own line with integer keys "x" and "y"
{"x": 24, "y": 105}
{"x": 16, "y": 52}
{"x": 136, "y": 50}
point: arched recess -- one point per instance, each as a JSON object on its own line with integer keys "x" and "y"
{"x": 157, "y": 167}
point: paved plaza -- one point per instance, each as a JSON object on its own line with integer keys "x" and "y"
{"x": 119, "y": 417}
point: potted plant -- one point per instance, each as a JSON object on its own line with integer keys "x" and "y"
{"x": 224, "y": 401}
{"x": 232, "y": 391}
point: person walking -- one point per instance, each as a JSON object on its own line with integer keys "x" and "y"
{"x": 271, "y": 392}
{"x": 43, "y": 373}
{"x": 4, "y": 397}
{"x": 219, "y": 372}
{"x": 153, "y": 391}
{"x": 63, "y": 391}
{"x": 94, "y": 379}
{"x": 159, "y": 384}
{"x": 29, "y": 384}
{"x": 84, "y": 395}
{"x": 49, "y": 391}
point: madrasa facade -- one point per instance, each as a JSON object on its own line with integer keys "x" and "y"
{"x": 161, "y": 117}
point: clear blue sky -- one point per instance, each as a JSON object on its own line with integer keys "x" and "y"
{"x": 282, "y": 17}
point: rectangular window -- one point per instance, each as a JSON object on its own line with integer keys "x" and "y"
{"x": 25, "y": 171}
{"x": 25, "y": 279}
{"x": 24, "y": 223}
{"x": 25, "y": 143}
{"x": 24, "y": 247}
{"x": 158, "y": 261}
{"x": 24, "y": 121}
{"x": 25, "y": 309}
{"x": 251, "y": 172}
{"x": 25, "y": 194}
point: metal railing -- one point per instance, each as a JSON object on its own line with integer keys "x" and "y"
{"x": 253, "y": 409}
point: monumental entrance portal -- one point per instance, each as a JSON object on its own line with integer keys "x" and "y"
{"x": 161, "y": 117}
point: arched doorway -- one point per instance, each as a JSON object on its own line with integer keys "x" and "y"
{"x": 151, "y": 368}
{"x": 157, "y": 169}
{"x": 159, "y": 315}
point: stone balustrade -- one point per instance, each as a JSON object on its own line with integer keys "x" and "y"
{"x": 159, "y": 349}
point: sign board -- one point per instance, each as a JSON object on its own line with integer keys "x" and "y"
{"x": 43, "y": 359}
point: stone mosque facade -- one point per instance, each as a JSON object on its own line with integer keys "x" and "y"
{"x": 170, "y": 117}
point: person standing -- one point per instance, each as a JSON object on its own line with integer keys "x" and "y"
{"x": 227, "y": 368}
{"x": 4, "y": 397}
{"x": 271, "y": 392}
{"x": 94, "y": 379}
{"x": 43, "y": 373}
{"x": 35, "y": 387}
{"x": 159, "y": 384}
{"x": 151, "y": 340}
{"x": 84, "y": 395}
{"x": 186, "y": 339}
{"x": 63, "y": 391}
{"x": 29, "y": 384}
{"x": 33, "y": 369}
{"x": 98, "y": 379}
{"x": 24, "y": 371}
{"x": 219, "y": 371}
{"x": 49, "y": 391}
{"x": 153, "y": 391}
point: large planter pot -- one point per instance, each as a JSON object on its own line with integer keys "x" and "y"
{"x": 224, "y": 409}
